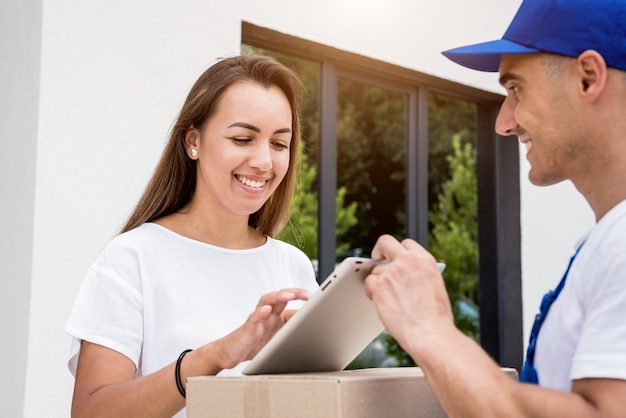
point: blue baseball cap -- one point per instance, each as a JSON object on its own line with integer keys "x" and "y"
{"x": 564, "y": 27}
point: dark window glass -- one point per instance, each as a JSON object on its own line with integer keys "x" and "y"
{"x": 371, "y": 144}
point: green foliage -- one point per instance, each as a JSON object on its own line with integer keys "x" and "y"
{"x": 447, "y": 117}
{"x": 454, "y": 235}
{"x": 345, "y": 219}
{"x": 301, "y": 230}
{"x": 371, "y": 143}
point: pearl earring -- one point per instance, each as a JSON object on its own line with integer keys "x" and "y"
{"x": 194, "y": 152}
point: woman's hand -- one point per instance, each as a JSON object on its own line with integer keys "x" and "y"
{"x": 106, "y": 383}
{"x": 268, "y": 317}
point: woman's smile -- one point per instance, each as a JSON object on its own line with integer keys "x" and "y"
{"x": 255, "y": 184}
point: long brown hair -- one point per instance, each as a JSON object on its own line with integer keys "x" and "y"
{"x": 174, "y": 180}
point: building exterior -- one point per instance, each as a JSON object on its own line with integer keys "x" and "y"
{"x": 89, "y": 91}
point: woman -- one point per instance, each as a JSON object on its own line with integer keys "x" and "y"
{"x": 197, "y": 252}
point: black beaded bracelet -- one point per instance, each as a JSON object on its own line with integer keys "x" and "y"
{"x": 179, "y": 383}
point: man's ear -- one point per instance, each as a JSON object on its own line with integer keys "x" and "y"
{"x": 592, "y": 72}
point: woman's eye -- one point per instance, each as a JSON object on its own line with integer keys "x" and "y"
{"x": 241, "y": 140}
{"x": 280, "y": 145}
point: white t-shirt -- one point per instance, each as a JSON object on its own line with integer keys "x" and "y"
{"x": 584, "y": 334}
{"x": 153, "y": 293}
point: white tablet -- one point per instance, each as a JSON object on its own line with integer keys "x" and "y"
{"x": 331, "y": 329}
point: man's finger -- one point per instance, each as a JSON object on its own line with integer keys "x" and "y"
{"x": 387, "y": 248}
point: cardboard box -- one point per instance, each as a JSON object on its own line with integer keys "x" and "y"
{"x": 368, "y": 393}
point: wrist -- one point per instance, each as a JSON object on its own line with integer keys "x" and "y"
{"x": 427, "y": 347}
{"x": 210, "y": 359}
{"x": 181, "y": 384}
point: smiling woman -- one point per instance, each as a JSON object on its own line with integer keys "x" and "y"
{"x": 242, "y": 158}
{"x": 174, "y": 180}
{"x": 195, "y": 283}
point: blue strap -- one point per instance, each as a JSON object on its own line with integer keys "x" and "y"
{"x": 529, "y": 373}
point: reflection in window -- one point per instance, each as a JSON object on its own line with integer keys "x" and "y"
{"x": 453, "y": 204}
{"x": 371, "y": 143}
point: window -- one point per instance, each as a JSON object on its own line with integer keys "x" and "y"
{"x": 380, "y": 136}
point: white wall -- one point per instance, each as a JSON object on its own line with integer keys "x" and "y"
{"x": 98, "y": 85}
{"x": 410, "y": 33}
{"x": 20, "y": 34}
{"x": 114, "y": 74}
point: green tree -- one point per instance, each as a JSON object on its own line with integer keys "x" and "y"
{"x": 447, "y": 117}
{"x": 454, "y": 235}
{"x": 301, "y": 230}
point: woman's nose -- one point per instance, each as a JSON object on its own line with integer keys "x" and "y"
{"x": 261, "y": 157}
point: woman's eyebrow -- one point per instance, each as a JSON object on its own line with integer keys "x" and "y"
{"x": 256, "y": 129}
{"x": 246, "y": 126}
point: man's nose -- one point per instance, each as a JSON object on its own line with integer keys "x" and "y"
{"x": 506, "y": 124}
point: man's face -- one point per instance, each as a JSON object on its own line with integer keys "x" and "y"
{"x": 541, "y": 110}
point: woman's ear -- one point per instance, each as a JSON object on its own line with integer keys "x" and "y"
{"x": 592, "y": 71}
{"x": 192, "y": 139}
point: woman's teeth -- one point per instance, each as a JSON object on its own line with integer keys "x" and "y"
{"x": 251, "y": 183}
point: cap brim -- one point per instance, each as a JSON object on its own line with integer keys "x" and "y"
{"x": 486, "y": 56}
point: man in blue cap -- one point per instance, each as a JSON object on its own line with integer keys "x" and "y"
{"x": 563, "y": 65}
